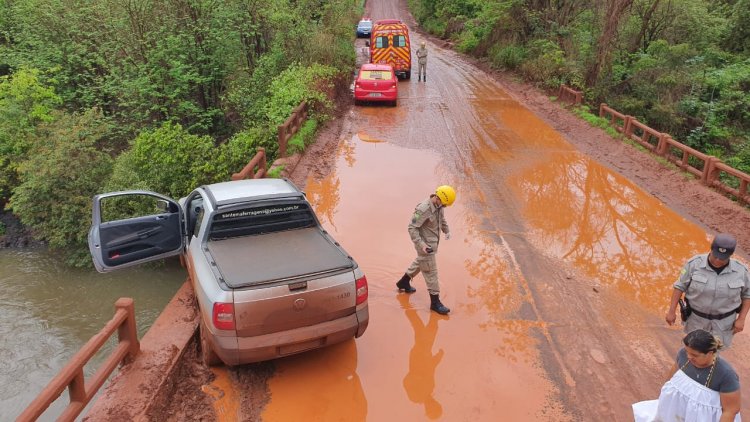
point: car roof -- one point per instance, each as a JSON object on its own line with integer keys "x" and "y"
{"x": 236, "y": 191}
{"x": 376, "y": 66}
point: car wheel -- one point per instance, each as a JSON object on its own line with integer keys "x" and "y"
{"x": 357, "y": 102}
{"x": 208, "y": 356}
{"x": 408, "y": 74}
{"x": 394, "y": 103}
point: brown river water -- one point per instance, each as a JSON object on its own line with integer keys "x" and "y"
{"x": 49, "y": 311}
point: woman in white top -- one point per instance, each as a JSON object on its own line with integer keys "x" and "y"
{"x": 705, "y": 388}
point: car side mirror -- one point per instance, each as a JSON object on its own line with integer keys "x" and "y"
{"x": 165, "y": 207}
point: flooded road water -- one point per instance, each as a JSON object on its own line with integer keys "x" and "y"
{"x": 558, "y": 272}
{"x": 50, "y": 311}
{"x": 412, "y": 362}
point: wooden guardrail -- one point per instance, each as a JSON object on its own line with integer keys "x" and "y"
{"x": 291, "y": 126}
{"x": 615, "y": 118}
{"x": 249, "y": 171}
{"x": 687, "y": 158}
{"x": 644, "y": 135}
{"x": 741, "y": 192}
{"x": 570, "y": 95}
{"x": 710, "y": 170}
{"x": 71, "y": 376}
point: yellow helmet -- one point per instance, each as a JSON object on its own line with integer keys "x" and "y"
{"x": 446, "y": 194}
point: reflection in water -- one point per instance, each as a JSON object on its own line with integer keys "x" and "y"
{"x": 347, "y": 150}
{"x": 419, "y": 382}
{"x": 320, "y": 385}
{"x": 324, "y": 197}
{"x": 367, "y": 138}
{"x": 585, "y": 214}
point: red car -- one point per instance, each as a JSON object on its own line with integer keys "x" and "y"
{"x": 376, "y": 82}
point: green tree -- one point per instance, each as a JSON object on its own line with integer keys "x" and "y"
{"x": 168, "y": 160}
{"x": 296, "y": 84}
{"x": 64, "y": 170}
{"x": 25, "y": 102}
{"x": 737, "y": 33}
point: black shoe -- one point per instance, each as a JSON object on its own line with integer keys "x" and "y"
{"x": 425, "y": 78}
{"x": 404, "y": 284}
{"x": 438, "y": 306}
{"x": 419, "y": 79}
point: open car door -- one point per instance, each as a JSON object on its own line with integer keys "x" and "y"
{"x": 133, "y": 227}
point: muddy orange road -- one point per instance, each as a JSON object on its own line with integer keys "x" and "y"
{"x": 558, "y": 272}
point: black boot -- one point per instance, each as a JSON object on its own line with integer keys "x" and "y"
{"x": 425, "y": 79}
{"x": 419, "y": 78}
{"x": 438, "y": 306}
{"x": 404, "y": 285}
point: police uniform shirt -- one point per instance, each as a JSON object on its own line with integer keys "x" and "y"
{"x": 712, "y": 293}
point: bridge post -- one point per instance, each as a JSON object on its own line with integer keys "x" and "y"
{"x": 127, "y": 331}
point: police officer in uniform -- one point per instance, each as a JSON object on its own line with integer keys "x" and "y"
{"x": 716, "y": 288}
{"x": 424, "y": 229}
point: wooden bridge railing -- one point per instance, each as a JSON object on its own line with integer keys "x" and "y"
{"x": 291, "y": 126}
{"x": 249, "y": 171}
{"x": 741, "y": 192}
{"x": 286, "y": 131}
{"x": 71, "y": 376}
{"x": 570, "y": 95}
{"x": 711, "y": 170}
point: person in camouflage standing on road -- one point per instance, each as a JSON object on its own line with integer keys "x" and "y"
{"x": 422, "y": 60}
{"x": 425, "y": 226}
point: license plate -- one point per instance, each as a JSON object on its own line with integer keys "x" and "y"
{"x": 301, "y": 347}
{"x": 375, "y": 94}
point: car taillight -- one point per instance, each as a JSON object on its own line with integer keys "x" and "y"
{"x": 224, "y": 316}
{"x": 361, "y": 290}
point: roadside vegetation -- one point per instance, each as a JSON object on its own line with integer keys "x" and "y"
{"x": 164, "y": 96}
{"x": 679, "y": 66}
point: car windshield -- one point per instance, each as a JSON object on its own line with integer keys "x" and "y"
{"x": 259, "y": 220}
{"x": 365, "y": 24}
{"x": 374, "y": 75}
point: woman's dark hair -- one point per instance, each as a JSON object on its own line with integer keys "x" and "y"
{"x": 702, "y": 341}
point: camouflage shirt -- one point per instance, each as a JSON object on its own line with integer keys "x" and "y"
{"x": 426, "y": 224}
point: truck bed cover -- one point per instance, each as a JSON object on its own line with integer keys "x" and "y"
{"x": 250, "y": 260}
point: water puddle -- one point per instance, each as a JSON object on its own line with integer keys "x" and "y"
{"x": 475, "y": 364}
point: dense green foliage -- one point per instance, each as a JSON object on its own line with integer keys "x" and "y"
{"x": 24, "y": 104}
{"x": 64, "y": 169}
{"x": 304, "y": 137}
{"x": 168, "y": 160}
{"x": 680, "y": 66}
{"x": 164, "y": 96}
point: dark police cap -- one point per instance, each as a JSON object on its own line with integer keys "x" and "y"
{"x": 723, "y": 246}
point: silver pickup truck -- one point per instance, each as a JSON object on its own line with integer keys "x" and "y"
{"x": 269, "y": 280}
